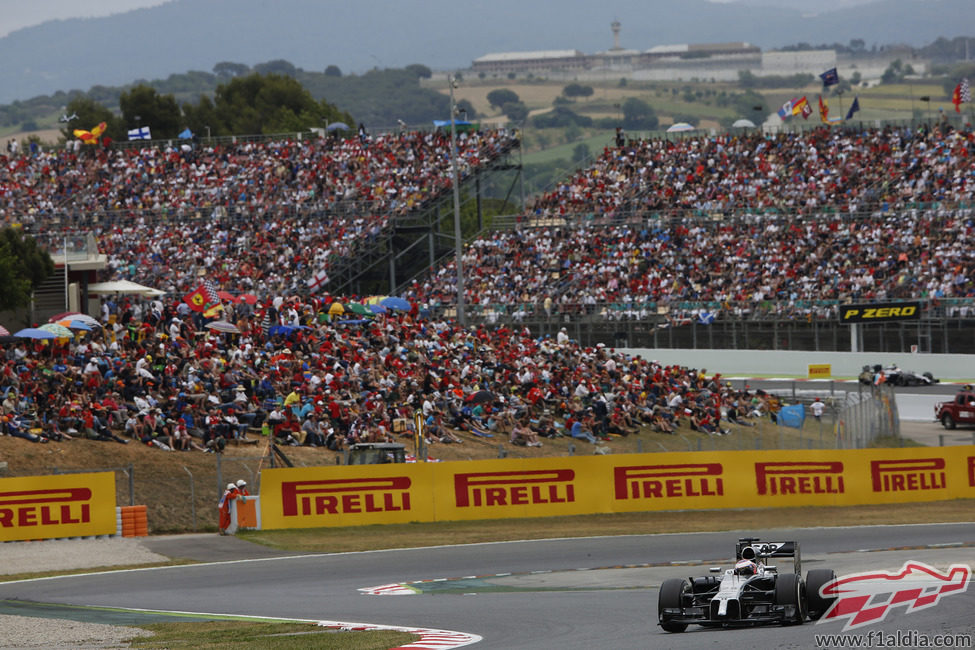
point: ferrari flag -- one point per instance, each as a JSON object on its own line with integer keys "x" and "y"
{"x": 196, "y": 299}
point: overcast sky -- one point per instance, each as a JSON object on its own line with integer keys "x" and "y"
{"x": 18, "y": 14}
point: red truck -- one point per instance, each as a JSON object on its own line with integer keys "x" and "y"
{"x": 960, "y": 410}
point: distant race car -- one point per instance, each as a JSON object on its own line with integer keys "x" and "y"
{"x": 751, "y": 593}
{"x": 892, "y": 374}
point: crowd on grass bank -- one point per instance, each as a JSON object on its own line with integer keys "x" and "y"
{"x": 154, "y": 375}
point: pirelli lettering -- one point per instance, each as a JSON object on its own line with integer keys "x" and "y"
{"x": 533, "y": 487}
{"x": 668, "y": 481}
{"x": 971, "y": 471}
{"x": 345, "y": 496}
{"x": 880, "y": 312}
{"x": 27, "y": 508}
{"x": 912, "y": 475}
{"x": 775, "y": 479}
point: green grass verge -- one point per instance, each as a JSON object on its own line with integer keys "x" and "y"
{"x": 231, "y": 635}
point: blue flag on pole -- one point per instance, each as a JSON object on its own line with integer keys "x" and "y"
{"x": 830, "y": 78}
{"x": 186, "y": 134}
{"x": 854, "y": 107}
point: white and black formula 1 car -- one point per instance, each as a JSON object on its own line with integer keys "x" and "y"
{"x": 752, "y": 593}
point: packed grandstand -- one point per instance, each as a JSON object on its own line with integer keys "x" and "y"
{"x": 809, "y": 219}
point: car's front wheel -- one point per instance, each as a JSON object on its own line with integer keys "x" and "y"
{"x": 671, "y": 597}
{"x": 790, "y": 592}
{"x": 817, "y": 604}
{"x": 947, "y": 421}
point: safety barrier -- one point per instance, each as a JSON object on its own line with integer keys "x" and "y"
{"x": 377, "y": 494}
{"x": 133, "y": 521}
{"x": 66, "y": 505}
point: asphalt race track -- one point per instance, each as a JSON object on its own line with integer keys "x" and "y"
{"x": 571, "y": 593}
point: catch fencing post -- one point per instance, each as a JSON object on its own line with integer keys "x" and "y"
{"x": 220, "y": 473}
{"x": 192, "y": 497}
{"x": 131, "y": 484}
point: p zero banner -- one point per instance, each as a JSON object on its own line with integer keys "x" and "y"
{"x": 879, "y": 312}
{"x": 493, "y": 489}
{"x": 62, "y": 505}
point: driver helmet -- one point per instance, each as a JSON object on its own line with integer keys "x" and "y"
{"x": 746, "y": 568}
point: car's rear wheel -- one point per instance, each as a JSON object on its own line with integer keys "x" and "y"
{"x": 947, "y": 421}
{"x": 790, "y": 591}
{"x": 671, "y": 597}
{"x": 815, "y": 580}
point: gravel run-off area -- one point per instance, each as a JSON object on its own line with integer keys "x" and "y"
{"x": 67, "y": 555}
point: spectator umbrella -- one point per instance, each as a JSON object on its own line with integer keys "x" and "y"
{"x": 58, "y": 330}
{"x": 222, "y": 326}
{"x": 34, "y": 333}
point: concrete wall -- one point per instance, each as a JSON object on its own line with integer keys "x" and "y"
{"x": 951, "y": 367}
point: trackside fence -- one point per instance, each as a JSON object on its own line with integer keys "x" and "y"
{"x": 867, "y": 415}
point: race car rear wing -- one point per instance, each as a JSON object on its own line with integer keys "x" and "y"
{"x": 753, "y": 548}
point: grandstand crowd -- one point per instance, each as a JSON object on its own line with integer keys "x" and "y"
{"x": 153, "y": 376}
{"x": 815, "y": 218}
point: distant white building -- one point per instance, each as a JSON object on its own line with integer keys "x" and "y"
{"x": 503, "y": 63}
{"x": 806, "y": 61}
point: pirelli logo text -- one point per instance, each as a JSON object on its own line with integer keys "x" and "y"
{"x": 913, "y": 475}
{"x": 971, "y": 471}
{"x": 532, "y": 487}
{"x": 26, "y": 508}
{"x": 345, "y": 496}
{"x": 799, "y": 478}
{"x": 668, "y": 481}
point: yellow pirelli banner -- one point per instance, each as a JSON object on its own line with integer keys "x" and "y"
{"x": 61, "y": 505}
{"x": 491, "y": 489}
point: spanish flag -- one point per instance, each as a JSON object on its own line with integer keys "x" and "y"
{"x": 91, "y": 137}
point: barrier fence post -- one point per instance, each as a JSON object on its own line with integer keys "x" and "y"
{"x": 131, "y": 484}
{"x": 220, "y": 474}
{"x": 192, "y": 497}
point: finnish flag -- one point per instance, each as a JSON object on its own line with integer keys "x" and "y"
{"x": 141, "y": 133}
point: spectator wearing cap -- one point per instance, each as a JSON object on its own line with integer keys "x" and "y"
{"x": 310, "y": 432}
{"x": 233, "y": 427}
{"x": 182, "y": 440}
{"x": 817, "y": 408}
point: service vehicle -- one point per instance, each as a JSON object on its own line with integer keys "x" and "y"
{"x": 753, "y": 592}
{"x": 960, "y": 410}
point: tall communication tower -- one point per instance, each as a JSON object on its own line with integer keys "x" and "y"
{"x": 615, "y": 26}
